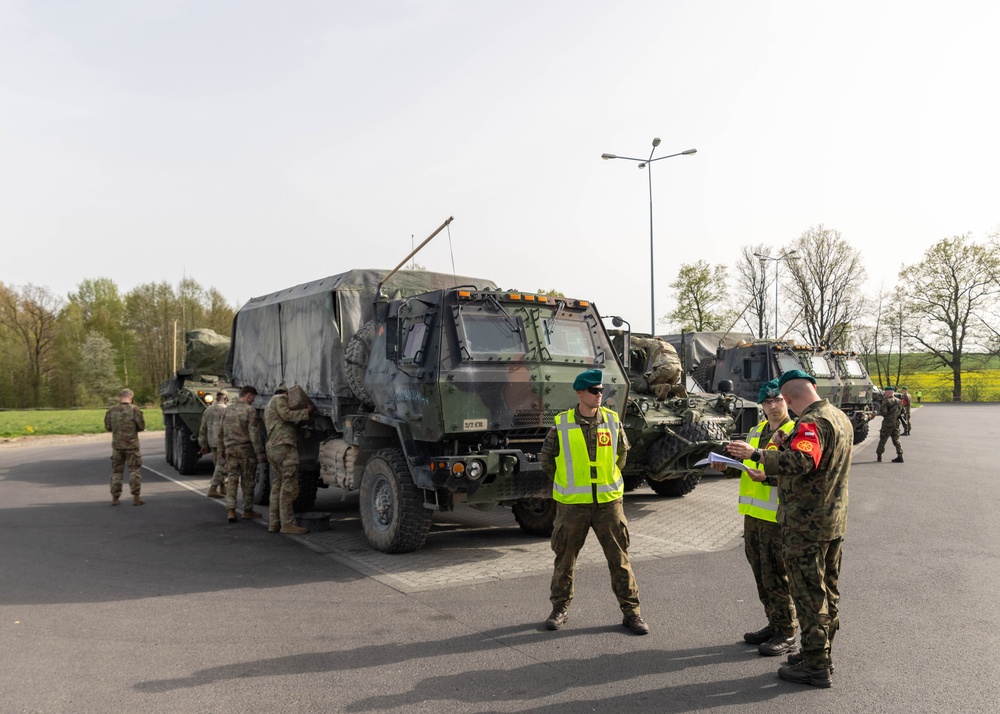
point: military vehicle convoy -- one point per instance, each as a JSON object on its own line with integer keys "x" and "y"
{"x": 430, "y": 390}
{"x": 189, "y": 392}
{"x": 668, "y": 427}
{"x": 748, "y": 364}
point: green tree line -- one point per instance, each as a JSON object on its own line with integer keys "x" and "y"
{"x": 81, "y": 350}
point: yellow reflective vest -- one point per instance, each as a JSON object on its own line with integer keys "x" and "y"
{"x": 758, "y": 499}
{"x": 577, "y": 478}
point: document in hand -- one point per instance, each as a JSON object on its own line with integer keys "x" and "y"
{"x": 718, "y": 459}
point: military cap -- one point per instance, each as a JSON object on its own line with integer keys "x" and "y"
{"x": 890, "y": 388}
{"x": 795, "y": 374}
{"x": 768, "y": 391}
{"x": 281, "y": 388}
{"x": 585, "y": 380}
{"x": 902, "y": 387}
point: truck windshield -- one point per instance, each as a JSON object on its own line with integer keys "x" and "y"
{"x": 493, "y": 334}
{"x": 820, "y": 367}
{"x": 853, "y": 368}
{"x": 787, "y": 362}
{"x": 569, "y": 338}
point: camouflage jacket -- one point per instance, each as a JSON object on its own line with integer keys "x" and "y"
{"x": 124, "y": 421}
{"x": 890, "y": 412}
{"x": 550, "y": 447}
{"x": 280, "y": 421}
{"x": 211, "y": 422}
{"x": 811, "y": 472}
{"x": 240, "y": 425}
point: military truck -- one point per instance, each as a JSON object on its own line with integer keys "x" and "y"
{"x": 749, "y": 363}
{"x": 189, "y": 392}
{"x": 669, "y": 427}
{"x": 430, "y": 390}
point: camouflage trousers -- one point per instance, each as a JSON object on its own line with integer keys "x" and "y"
{"x": 762, "y": 543}
{"x": 813, "y": 573}
{"x": 885, "y": 436}
{"x": 284, "y": 461}
{"x": 569, "y": 532}
{"x": 219, "y": 473}
{"x": 241, "y": 470}
{"x": 120, "y": 458}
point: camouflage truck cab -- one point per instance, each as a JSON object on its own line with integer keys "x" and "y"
{"x": 438, "y": 394}
{"x": 189, "y": 392}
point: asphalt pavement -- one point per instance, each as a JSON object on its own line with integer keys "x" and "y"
{"x": 168, "y": 608}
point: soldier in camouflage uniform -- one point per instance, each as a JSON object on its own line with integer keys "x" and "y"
{"x": 890, "y": 412}
{"x": 208, "y": 440}
{"x": 907, "y": 404}
{"x": 124, "y": 420}
{"x": 242, "y": 450}
{"x": 283, "y": 457}
{"x": 761, "y": 532}
{"x": 811, "y": 469}
{"x": 584, "y": 453}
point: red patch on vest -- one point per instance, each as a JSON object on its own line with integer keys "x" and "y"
{"x": 804, "y": 439}
{"x": 603, "y": 438}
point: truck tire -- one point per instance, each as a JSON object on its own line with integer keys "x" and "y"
{"x": 704, "y": 373}
{"x": 535, "y": 515}
{"x": 633, "y": 481}
{"x": 676, "y": 487}
{"x": 392, "y": 507}
{"x": 186, "y": 450}
{"x": 308, "y": 484}
{"x": 262, "y": 485}
{"x": 860, "y": 432}
{"x": 356, "y": 357}
{"x": 168, "y": 439}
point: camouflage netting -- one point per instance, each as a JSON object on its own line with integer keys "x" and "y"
{"x": 207, "y": 352}
{"x": 319, "y": 318}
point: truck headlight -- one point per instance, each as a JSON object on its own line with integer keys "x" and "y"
{"x": 475, "y": 470}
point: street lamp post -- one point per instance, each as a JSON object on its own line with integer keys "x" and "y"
{"x": 776, "y": 260}
{"x": 643, "y": 163}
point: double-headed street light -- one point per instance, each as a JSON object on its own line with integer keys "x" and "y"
{"x": 777, "y": 259}
{"x": 643, "y": 163}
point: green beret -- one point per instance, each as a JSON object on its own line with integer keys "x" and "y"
{"x": 768, "y": 391}
{"x": 795, "y": 374}
{"x": 890, "y": 388}
{"x": 585, "y": 380}
{"x": 902, "y": 387}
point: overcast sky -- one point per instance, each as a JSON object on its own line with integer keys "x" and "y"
{"x": 256, "y": 145}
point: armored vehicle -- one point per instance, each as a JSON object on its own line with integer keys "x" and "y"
{"x": 840, "y": 376}
{"x": 669, "y": 427}
{"x": 188, "y": 393}
{"x": 430, "y": 390}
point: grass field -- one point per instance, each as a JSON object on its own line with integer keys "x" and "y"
{"x": 979, "y": 386}
{"x": 48, "y": 422}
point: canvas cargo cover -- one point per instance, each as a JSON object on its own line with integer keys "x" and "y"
{"x": 206, "y": 352}
{"x": 298, "y": 335}
{"x": 699, "y": 345}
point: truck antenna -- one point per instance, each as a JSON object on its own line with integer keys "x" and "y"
{"x": 378, "y": 293}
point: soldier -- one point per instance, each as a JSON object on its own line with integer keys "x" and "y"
{"x": 583, "y": 454}
{"x": 208, "y": 440}
{"x": 810, "y": 469}
{"x": 890, "y": 412}
{"x": 761, "y": 533}
{"x": 907, "y": 403}
{"x": 124, "y": 420}
{"x": 283, "y": 456}
{"x": 240, "y": 438}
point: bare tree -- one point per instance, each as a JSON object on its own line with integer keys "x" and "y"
{"x": 754, "y": 289}
{"x": 948, "y": 294}
{"x": 826, "y": 279}
{"x": 31, "y": 315}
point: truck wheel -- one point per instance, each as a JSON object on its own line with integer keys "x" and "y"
{"x": 356, "y": 357}
{"x": 677, "y": 487}
{"x": 392, "y": 509}
{"x": 262, "y": 485}
{"x": 535, "y": 515}
{"x": 633, "y": 481}
{"x": 308, "y": 484}
{"x": 663, "y": 451}
{"x": 860, "y": 432}
{"x": 187, "y": 450}
{"x": 704, "y": 372}
{"x": 168, "y": 440}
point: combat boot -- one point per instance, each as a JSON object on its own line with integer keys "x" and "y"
{"x": 898, "y": 459}
{"x": 797, "y": 657}
{"x": 136, "y": 501}
{"x": 294, "y": 530}
{"x": 231, "y": 515}
{"x": 758, "y": 637}
{"x": 251, "y": 514}
{"x": 274, "y": 527}
{"x": 800, "y": 674}
{"x": 557, "y": 619}
{"x": 222, "y": 489}
{"x": 878, "y": 457}
{"x": 779, "y": 644}
{"x": 114, "y": 500}
{"x": 635, "y": 624}
{"x": 213, "y": 492}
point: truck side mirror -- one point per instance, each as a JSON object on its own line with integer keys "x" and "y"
{"x": 391, "y": 338}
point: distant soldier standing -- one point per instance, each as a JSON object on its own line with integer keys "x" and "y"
{"x": 283, "y": 457}
{"x": 583, "y": 454}
{"x": 208, "y": 440}
{"x": 242, "y": 450}
{"x": 125, "y": 421}
{"x": 907, "y": 403}
{"x": 890, "y": 412}
{"x": 811, "y": 469}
